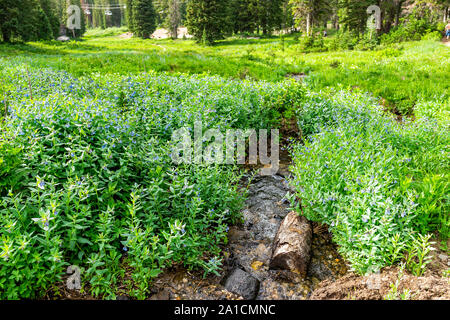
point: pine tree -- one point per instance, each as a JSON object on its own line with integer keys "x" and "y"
{"x": 129, "y": 15}
{"x": 270, "y": 14}
{"x": 210, "y": 17}
{"x": 9, "y": 19}
{"x": 244, "y": 17}
{"x": 43, "y": 29}
{"x": 173, "y": 19}
{"x": 144, "y": 18}
{"x": 307, "y": 13}
{"x": 353, "y": 14}
{"x": 24, "y": 20}
{"x": 50, "y": 11}
{"x": 162, "y": 11}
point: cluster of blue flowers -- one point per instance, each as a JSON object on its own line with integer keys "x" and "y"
{"x": 361, "y": 172}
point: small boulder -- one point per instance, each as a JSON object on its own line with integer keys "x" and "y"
{"x": 63, "y": 38}
{"x": 319, "y": 270}
{"x": 243, "y": 284}
{"x": 292, "y": 245}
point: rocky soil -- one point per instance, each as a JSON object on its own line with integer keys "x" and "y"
{"x": 377, "y": 287}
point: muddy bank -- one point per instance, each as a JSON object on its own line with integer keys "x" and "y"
{"x": 378, "y": 286}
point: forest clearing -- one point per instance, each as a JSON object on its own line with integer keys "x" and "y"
{"x": 255, "y": 162}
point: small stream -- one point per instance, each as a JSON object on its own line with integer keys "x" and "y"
{"x": 250, "y": 248}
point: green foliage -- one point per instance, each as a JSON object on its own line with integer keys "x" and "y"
{"x": 88, "y": 179}
{"x": 343, "y": 41}
{"x": 412, "y": 28}
{"x": 245, "y": 15}
{"x": 208, "y": 19}
{"x": 309, "y": 12}
{"x": 129, "y": 14}
{"x": 369, "y": 41}
{"x": 394, "y": 293}
{"x": 85, "y": 178}
{"x": 408, "y": 77}
{"x": 50, "y": 13}
{"x": 365, "y": 176}
{"x": 312, "y": 44}
{"x": 353, "y": 14}
{"x": 418, "y": 254}
{"x": 143, "y": 18}
{"x": 26, "y": 20}
{"x": 10, "y": 172}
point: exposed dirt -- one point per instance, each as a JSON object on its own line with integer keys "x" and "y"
{"x": 164, "y": 34}
{"x": 300, "y": 77}
{"x": 446, "y": 42}
{"x": 161, "y": 33}
{"x": 433, "y": 285}
{"x": 127, "y": 35}
{"x": 377, "y": 286}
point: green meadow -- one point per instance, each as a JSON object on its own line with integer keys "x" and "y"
{"x": 86, "y": 176}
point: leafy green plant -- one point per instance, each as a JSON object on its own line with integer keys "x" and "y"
{"x": 418, "y": 254}
{"x": 365, "y": 175}
{"x": 394, "y": 293}
{"x": 87, "y": 177}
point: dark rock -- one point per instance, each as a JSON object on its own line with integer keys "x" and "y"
{"x": 319, "y": 271}
{"x": 235, "y": 234}
{"x": 243, "y": 284}
{"x": 264, "y": 210}
{"x": 162, "y": 295}
{"x": 292, "y": 245}
{"x": 122, "y": 297}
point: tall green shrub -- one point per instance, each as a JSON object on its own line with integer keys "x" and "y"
{"x": 210, "y": 17}
{"x": 143, "y": 18}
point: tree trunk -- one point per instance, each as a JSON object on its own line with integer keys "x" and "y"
{"x": 308, "y": 24}
{"x": 336, "y": 23}
{"x": 175, "y": 32}
{"x": 398, "y": 12}
{"x": 6, "y": 36}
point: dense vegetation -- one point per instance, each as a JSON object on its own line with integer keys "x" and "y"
{"x": 414, "y": 73}
{"x": 212, "y": 20}
{"x": 378, "y": 184}
{"x": 85, "y": 128}
{"x": 87, "y": 175}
